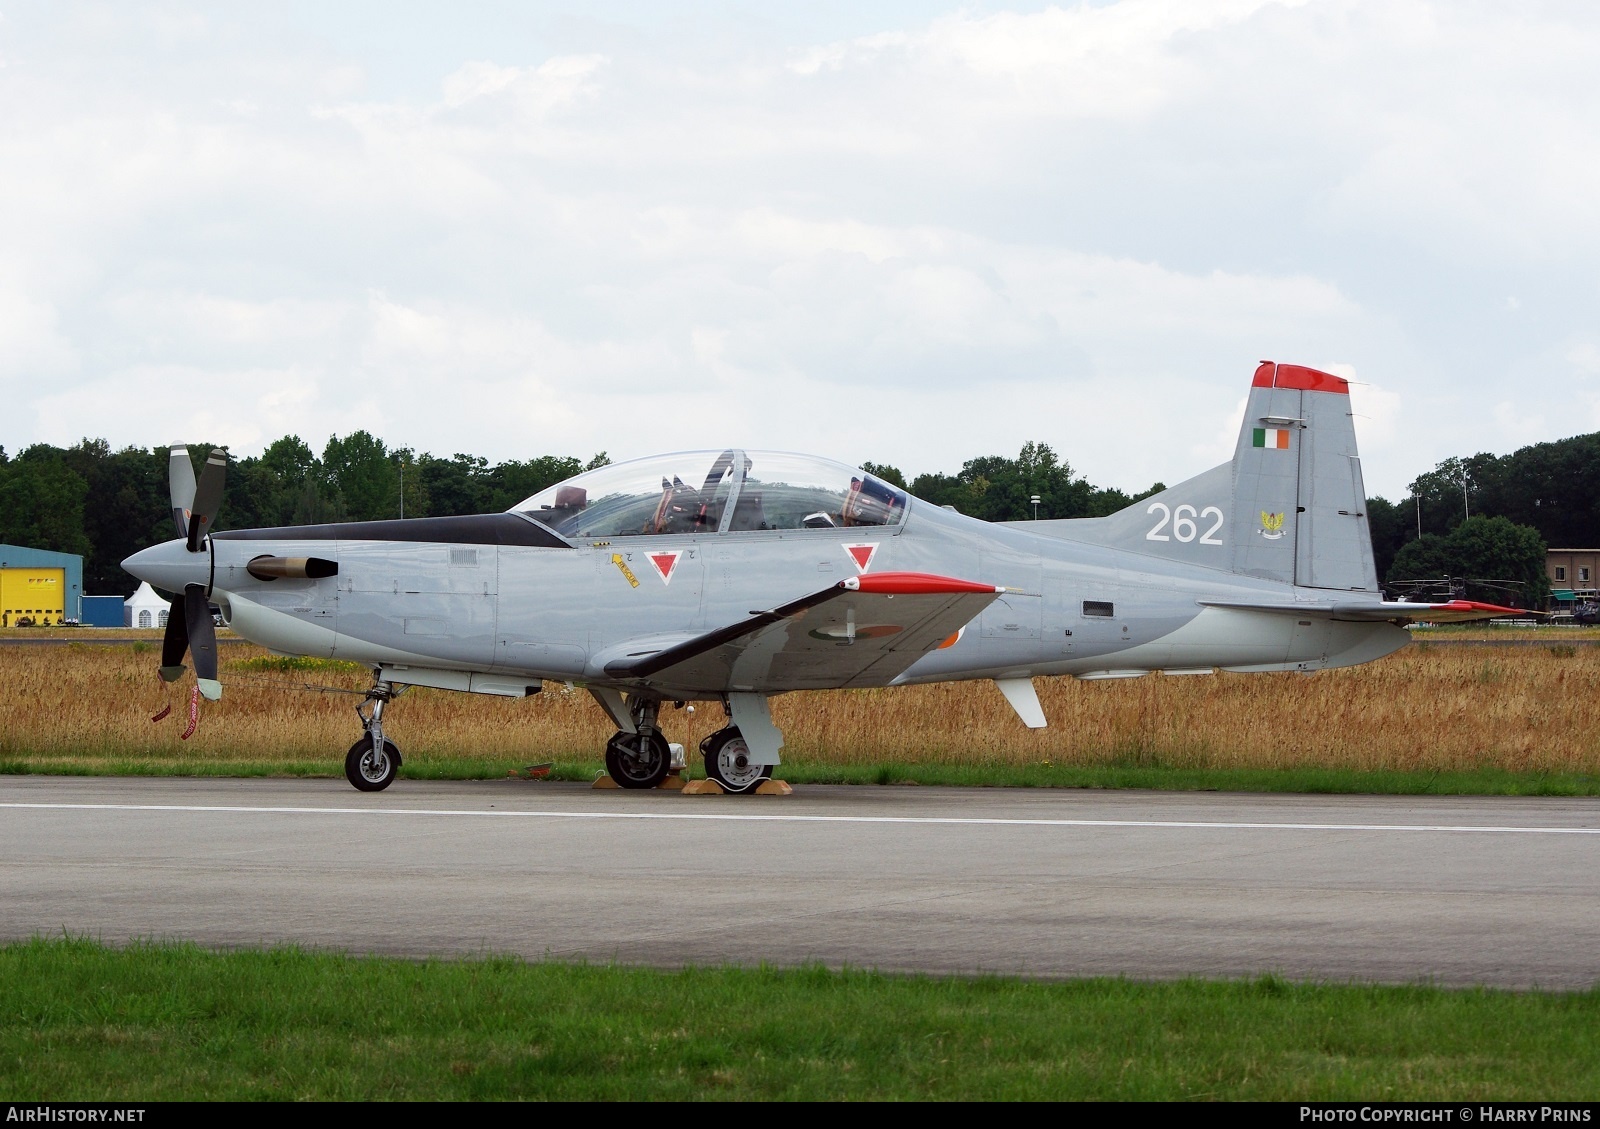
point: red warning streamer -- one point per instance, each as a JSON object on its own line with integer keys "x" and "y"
{"x": 166, "y": 691}
{"x": 194, "y": 715}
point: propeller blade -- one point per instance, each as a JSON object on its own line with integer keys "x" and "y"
{"x": 180, "y": 481}
{"x": 202, "y": 640}
{"x": 207, "y": 497}
{"x": 175, "y": 642}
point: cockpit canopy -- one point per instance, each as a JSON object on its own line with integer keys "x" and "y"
{"x": 711, "y": 492}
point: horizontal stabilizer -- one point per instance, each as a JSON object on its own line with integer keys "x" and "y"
{"x": 863, "y": 631}
{"x": 1388, "y": 611}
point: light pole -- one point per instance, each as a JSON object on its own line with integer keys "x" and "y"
{"x": 1465, "y": 505}
{"x": 402, "y": 489}
{"x": 1035, "y": 507}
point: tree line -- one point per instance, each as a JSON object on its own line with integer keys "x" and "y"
{"x": 1491, "y": 518}
{"x": 106, "y": 505}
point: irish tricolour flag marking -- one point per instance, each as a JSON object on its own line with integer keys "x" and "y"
{"x": 1274, "y": 437}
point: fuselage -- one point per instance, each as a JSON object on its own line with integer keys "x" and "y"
{"x": 736, "y": 575}
{"x": 493, "y": 615}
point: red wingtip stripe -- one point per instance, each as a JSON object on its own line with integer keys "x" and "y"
{"x": 912, "y": 584}
{"x": 1474, "y": 606}
{"x": 1271, "y": 375}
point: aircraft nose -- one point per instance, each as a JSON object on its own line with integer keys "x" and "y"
{"x": 170, "y": 565}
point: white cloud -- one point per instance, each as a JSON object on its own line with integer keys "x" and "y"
{"x": 537, "y": 90}
{"x": 931, "y": 241}
{"x": 32, "y": 347}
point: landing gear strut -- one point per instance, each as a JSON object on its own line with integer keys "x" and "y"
{"x": 373, "y": 762}
{"x": 728, "y": 762}
{"x": 640, "y": 759}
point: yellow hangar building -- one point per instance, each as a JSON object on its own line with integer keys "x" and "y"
{"x": 38, "y": 587}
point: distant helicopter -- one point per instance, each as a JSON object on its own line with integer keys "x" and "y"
{"x": 1455, "y": 588}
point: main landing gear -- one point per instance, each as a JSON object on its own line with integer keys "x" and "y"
{"x": 374, "y": 761}
{"x": 640, "y": 759}
{"x": 728, "y": 762}
{"x": 643, "y": 758}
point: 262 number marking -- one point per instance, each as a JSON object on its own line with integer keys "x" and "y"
{"x": 1184, "y": 526}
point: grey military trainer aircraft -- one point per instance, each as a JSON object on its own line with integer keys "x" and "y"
{"x": 736, "y": 575}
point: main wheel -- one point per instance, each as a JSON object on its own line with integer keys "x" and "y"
{"x": 638, "y": 760}
{"x": 728, "y": 762}
{"x": 372, "y": 771}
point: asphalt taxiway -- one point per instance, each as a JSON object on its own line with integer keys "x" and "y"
{"x": 1453, "y": 890}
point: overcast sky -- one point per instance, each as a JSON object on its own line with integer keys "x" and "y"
{"x": 902, "y": 232}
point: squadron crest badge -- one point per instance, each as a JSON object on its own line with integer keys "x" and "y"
{"x": 1271, "y": 525}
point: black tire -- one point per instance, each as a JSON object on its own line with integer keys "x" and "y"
{"x": 727, "y": 762}
{"x": 638, "y": 762}
{"x": 360, "y": 770}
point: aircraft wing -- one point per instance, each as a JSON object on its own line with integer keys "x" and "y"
{"x": 1451, "y": 611}
{"x": 862, "y": 631}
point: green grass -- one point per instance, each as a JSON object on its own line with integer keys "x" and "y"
{"x": 1478, "y": 782}
{"x": 80, "y": 1022}
{"x": 296, "y": 664}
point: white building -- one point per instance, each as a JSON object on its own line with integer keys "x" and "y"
{"x": 145, "y": 609}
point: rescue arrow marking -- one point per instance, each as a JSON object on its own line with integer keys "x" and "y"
{"x": 616, "y": 559}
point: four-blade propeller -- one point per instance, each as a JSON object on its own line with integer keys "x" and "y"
{"x": 189, "y": 625}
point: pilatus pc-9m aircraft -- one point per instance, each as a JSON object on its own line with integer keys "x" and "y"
{"x": 736, "y": 575}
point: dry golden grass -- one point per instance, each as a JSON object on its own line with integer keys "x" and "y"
{"x": 1427, "y": 708}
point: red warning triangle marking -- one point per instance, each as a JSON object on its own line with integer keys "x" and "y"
{"x": 862, "y": 554}
{"x": 665, "y": 562}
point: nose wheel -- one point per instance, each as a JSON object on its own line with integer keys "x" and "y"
{"x": 370, "y": 768}
{"x": 728, "y": 762}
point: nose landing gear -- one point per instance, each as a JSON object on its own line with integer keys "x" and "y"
{"x": 374, "y": 761}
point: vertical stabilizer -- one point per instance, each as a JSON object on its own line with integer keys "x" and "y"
{"x": 1290, "y": 507}
{"x": 1299, "y": 503}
